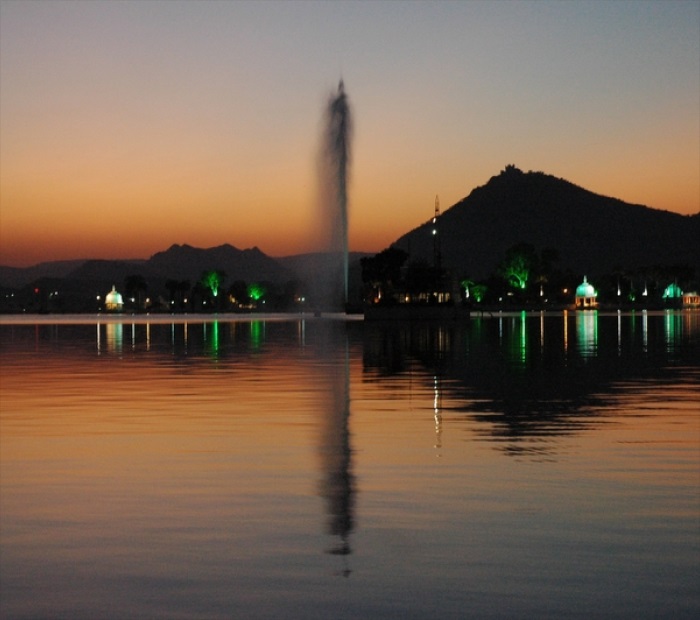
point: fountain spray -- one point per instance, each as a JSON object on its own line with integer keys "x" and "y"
{"x": 334, "y": 181}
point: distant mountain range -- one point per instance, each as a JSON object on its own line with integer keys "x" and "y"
{"x": 592, "y": 234}
{"x": 178, "y": 262}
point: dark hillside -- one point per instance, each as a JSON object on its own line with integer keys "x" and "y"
{"x": 107, "y": 271}
{"x": 185, "y": 262}
{"x": 592, "y": 233}
{"x": 17, "y": 277}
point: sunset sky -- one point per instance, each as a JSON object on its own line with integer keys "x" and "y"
{"x": 128, "y": 126}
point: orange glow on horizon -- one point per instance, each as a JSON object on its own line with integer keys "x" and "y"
{"x": 117, "y": 141}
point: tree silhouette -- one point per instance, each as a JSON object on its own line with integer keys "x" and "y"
{"x": 171, "y": 286}
{"x": 135, "y": 287}
{"x": 382, "y": 272}
{"x": 239, "y": 293}
{"x": 183, "y": 288}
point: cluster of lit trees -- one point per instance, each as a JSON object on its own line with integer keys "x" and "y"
{"x": 524, "y": 277}
{"x": 210, "y": 293}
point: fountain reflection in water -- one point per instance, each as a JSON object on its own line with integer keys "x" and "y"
{"x": 337, "y": 484}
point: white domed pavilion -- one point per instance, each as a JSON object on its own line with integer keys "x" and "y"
{"x": 586, "y": 295}
{"x": 114, "y": 301}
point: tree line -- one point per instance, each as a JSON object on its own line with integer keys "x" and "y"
{"x": 524, "y": 277}
{"x": 212, "y": 293}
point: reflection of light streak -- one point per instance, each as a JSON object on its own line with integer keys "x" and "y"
{"x": 587, "y": 332}
{"x": 691, "y": 321}
{"x": 673, "y": 328}
{"x": 257, "y": 329}
{"x": 214, "y": 341}
{"x": 645, "y": 334}
{"x": 566, "y": 331}
{"x": 301, "y": 332}
{"x": 515, "y": 345}
{"x": 114, "y": 332}
{"x": 437, "y": 416}
{"x": 442, "y": 339}
{"x": 541, "y": 331}
{"x": 619, "y": 333}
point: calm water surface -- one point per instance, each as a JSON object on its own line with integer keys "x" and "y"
{"x": 530, "y": 466}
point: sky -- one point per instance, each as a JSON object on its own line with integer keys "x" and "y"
{"x": 127, "y": 126}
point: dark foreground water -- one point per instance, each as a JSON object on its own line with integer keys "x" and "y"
{"x": 518, "y": 466}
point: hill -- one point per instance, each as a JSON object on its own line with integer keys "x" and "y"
{"x": 16, "y": 277}
{"x": 180, "y": 262}
{"x": 593, "y": 234}
{"x": 185, "y": 262}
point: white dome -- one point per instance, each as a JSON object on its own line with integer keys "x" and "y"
{"x": 585, "y": 289}
{"x": 114, "y": 299}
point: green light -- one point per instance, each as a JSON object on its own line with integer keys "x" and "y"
{"x": 473, "y": 290}
{"x": 256, "y": 333}
{"x": 587, "y": 332}
{"x": 466, "y": 285}
{"x": 214, "y": 340}
{"x": 256, "y": 292}
{"x": 673, "y": 291}
{"x": 520, "y": 262}
{"x": 673, "y": 328}
{"x": 517, "y": 273}
{"x": 212, "y": 280}
{"x": 523, "y": 338}
{"x": 479, "y": 291}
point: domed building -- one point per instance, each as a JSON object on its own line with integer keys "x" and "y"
{"x": 114, "y": 301}
{"x": 586, "y": 295}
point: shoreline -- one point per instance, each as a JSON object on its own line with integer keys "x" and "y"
{"x": 232, "y": 317}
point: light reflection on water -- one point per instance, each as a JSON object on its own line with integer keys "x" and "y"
{"x": 522, "y": 465}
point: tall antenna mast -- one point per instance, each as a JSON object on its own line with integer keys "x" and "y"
{"x": 436, "y": 241}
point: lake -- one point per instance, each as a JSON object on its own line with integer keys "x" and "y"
{"x": 522, "y": 465}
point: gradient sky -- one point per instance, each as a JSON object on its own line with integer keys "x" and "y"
{"x": 128, "y": 126}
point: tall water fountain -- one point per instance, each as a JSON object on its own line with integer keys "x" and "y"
{"x": 333, "y": 176}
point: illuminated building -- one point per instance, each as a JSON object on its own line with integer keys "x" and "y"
{"x": 586, "y": 295}
{"x": 114, "y": 301}
{"x": 691, "y": 299}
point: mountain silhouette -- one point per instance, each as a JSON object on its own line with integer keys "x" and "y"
{"x": 593, "y": 234}
{"x": 96, "y": 270}
{"x": 21, "y": 276}
{"x": 187, "y": 262}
